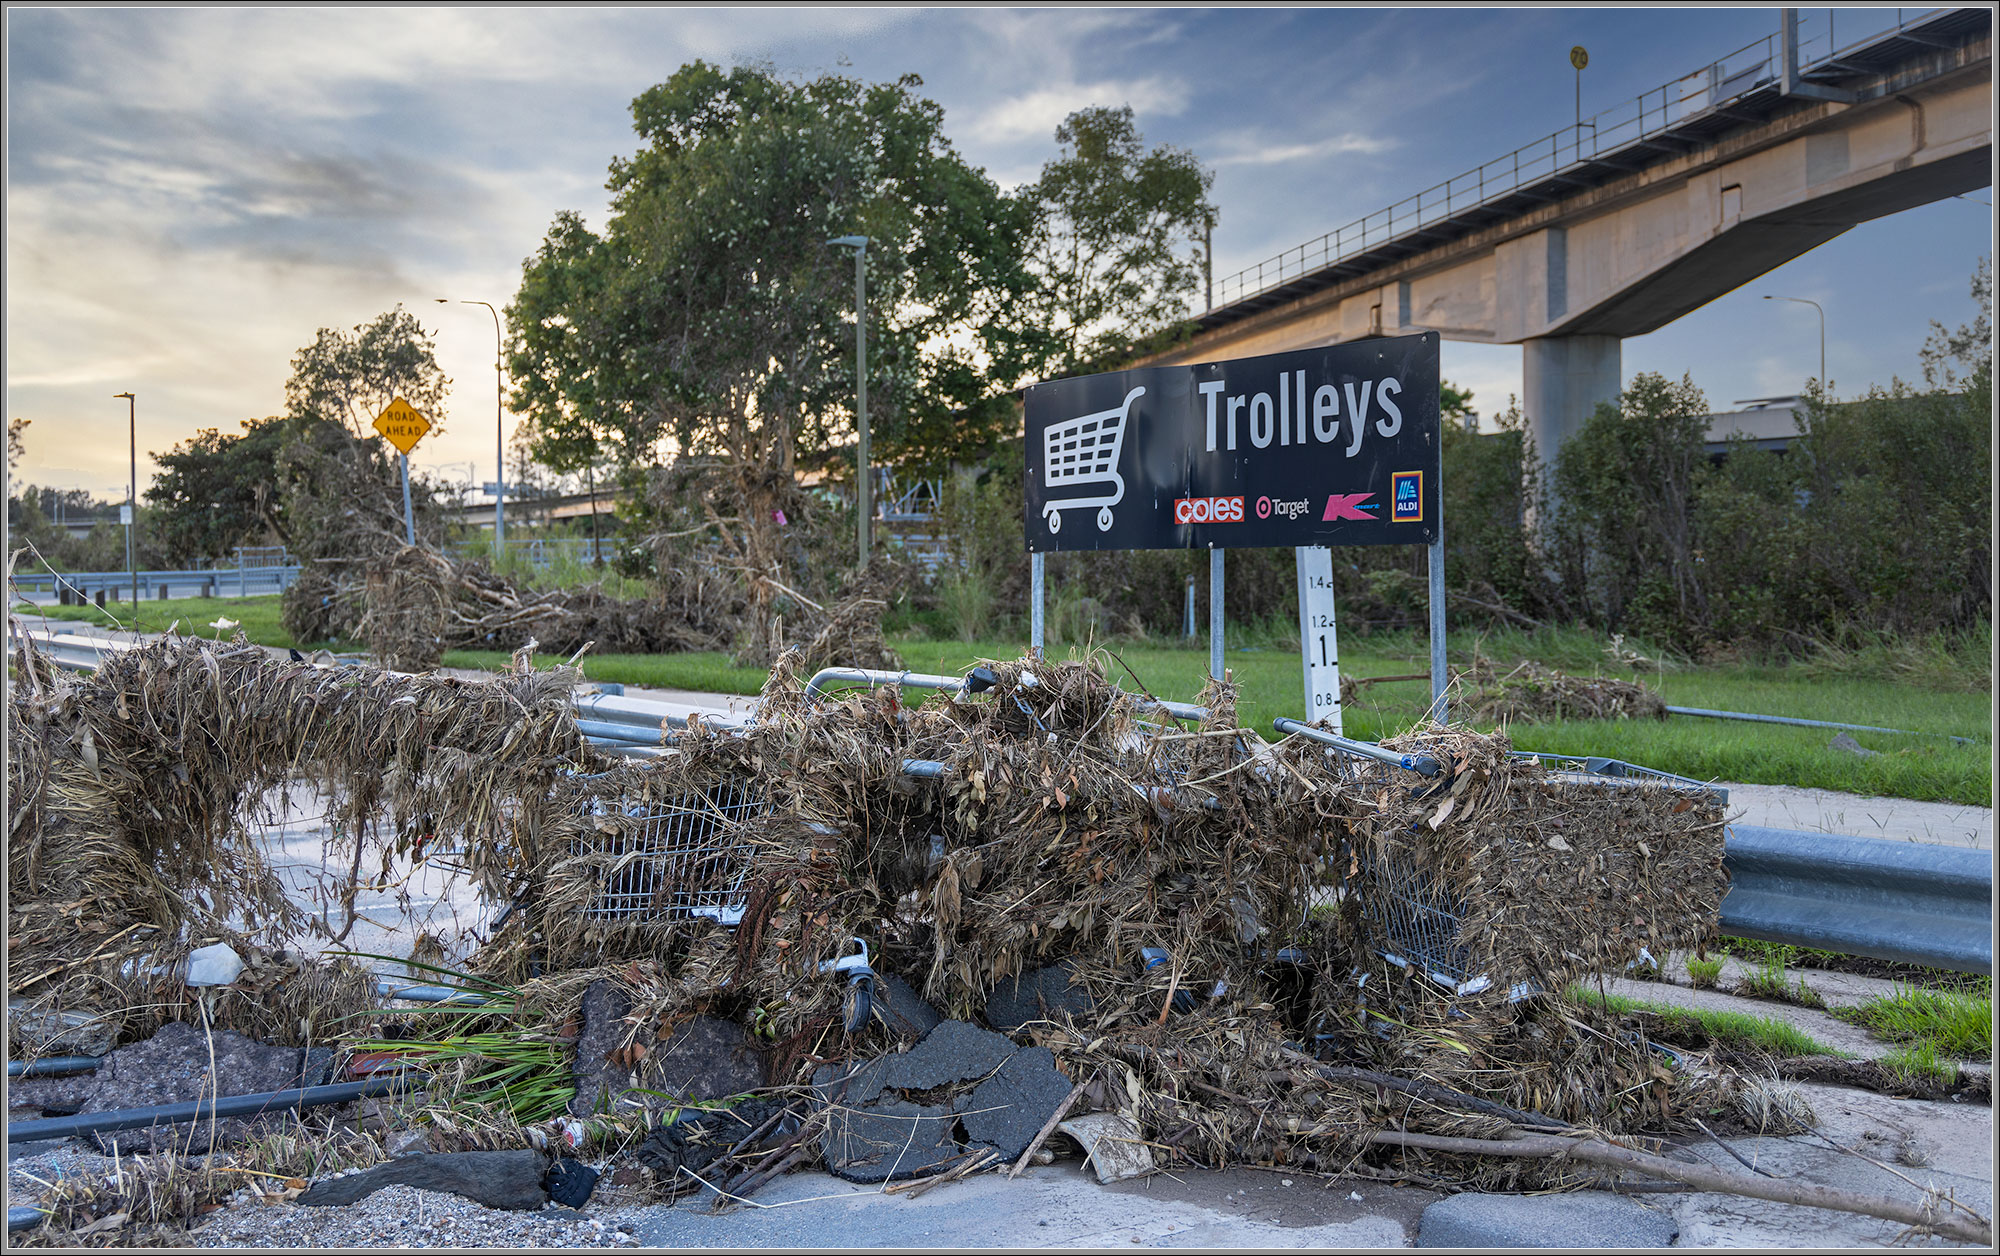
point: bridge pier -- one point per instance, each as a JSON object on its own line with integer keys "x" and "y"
{"x": 1562, "y": 380}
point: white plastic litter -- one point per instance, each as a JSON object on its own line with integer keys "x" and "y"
{"x": 216, "y": 965}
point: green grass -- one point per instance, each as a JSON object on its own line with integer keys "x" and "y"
{"x": 257, "y": 615}
{"x": 1769, "y": 980}
{"x": 1704, "y": 973}
{"x": 1731, "y": 1029}
{"x": 1922, "y": 1063}
{"x": 1264, "y": 662}
{"x": 1954, "y": 1023}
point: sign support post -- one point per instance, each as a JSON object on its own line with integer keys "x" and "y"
{"x": 1037, "y": 574}
{"x": 1215, "y": 612}
{"x": 409, "y": 520}
{"x": 1438, "y": 708}
{"x": 1439, "y": 675}
{"x": 403, "y": 425}
{"x": 1319, "y": 645}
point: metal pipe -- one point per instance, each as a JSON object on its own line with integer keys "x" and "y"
{"x": 871, "y": 677}
{"x": 598, "y": 730}
{"x": 1422, "y": 765}
{"x": 225, "y": 1107}
{"x": 817, "y": 686}
{"x": 50, "y": 1065}
{"x": 1786, "y": 719}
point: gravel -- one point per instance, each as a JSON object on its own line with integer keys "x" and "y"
{"x": 404, "y": 1217}
{"x": 393, "y": 1217}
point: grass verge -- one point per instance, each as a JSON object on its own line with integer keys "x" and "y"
{"x": 1952, "y": 1023}
{"x": 1699, "y": 1027}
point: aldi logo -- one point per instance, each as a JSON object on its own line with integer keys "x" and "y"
{"x": 1406, "y": 497}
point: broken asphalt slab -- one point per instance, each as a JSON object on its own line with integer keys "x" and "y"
{"x": 1062, "y": 1205}
{"x": 887, "y": 1121}
{"x": 510, "y": 1180}
{"x": 179, "y": 1064}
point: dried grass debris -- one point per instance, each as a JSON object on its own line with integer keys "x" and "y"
{"x": 1533, "y": 693}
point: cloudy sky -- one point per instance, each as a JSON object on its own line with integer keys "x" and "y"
{"x": 191, "y": 193}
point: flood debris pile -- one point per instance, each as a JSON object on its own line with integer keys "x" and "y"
{"x": 1190, "y": 921}
{"x": 1532, "y": 693}
{"x": 130, "y": 843}
{"x": 1172, "y": 926}
{"x": 411, "y": 604}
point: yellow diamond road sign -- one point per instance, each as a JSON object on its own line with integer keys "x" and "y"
{"x": 403, "y": 424}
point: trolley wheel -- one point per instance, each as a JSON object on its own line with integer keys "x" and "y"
{"x": 1104, "y": 518}
{"x": 1055, "y": 521}
{"x": 857, "y": 1004}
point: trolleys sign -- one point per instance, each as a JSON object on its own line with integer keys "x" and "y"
{"x": 1334, "y": 446}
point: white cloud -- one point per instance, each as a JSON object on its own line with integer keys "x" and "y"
{"x": 1332, "y": 146}
{"x": 1036, "y": 114}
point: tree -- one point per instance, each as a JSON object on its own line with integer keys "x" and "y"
{"x": 16, "y": 446}
{"x": 1625, "y": 488}
{"x": 214, "y": 492}
{"x": 349, "y": 379}
{"x": 338, "y": 486}
{"x": 1971, "y": 346}
{"x": 1110, "y": 234}
{"x": 712, "y": 323}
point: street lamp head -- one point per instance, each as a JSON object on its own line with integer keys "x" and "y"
{"x": 851, "y": 241}
{"x": 125, "y": 396}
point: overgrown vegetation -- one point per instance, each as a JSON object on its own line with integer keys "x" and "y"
{"x": 1700, "y": 1027}
{"x": 1954, "y": 1023}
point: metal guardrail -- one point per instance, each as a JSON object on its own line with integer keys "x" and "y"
{"x": 1629, "y": 124}
{"x": 1904, "y": 901}
{"x": 214, "y": 580}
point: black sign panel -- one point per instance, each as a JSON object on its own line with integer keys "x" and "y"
{"x": 1335, "y": 446}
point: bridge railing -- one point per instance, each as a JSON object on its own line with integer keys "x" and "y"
{"x": 1648, "y": 114}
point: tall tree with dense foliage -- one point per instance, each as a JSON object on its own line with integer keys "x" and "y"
{"x": 339, "y": 483}
{"x": 215, "y": 491}
{"x": 712, "y": 323}
{"x": 1119, "y": 238}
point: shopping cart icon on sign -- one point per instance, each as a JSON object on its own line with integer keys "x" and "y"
{"x": 1083, "y": 453}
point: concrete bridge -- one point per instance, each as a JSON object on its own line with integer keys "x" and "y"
{"x": 1623, "y": 224}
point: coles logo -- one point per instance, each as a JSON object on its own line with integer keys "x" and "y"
{"x": 1208, "y": 510}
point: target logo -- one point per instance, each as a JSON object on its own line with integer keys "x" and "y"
{"x": 1208, "y": 510}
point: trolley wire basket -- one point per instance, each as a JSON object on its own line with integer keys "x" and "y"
{"x": 1417, "y": 913}
{"x": 675, "y": 858}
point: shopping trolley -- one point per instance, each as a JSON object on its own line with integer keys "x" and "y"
{"x": 1419, "y": 913}
{"x": 1081, "y": 453}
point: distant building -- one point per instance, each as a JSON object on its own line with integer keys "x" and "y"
{"x": 1768, "y": 422}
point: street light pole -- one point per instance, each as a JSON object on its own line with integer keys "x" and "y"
{"x": 1822, "y": 332}
{"x": 132, "y": 491}
{"x": 499, "y": 435}
{"x": 861, "y": 468}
